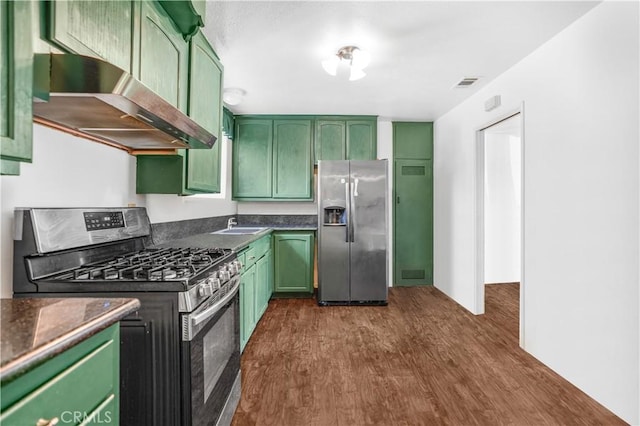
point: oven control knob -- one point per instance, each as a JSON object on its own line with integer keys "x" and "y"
{"x": 232, "y": 268}
{"x": 238, "y": 265}
{"x": 205, "y": 289}
{"x": 215, "y": 283}
{"x": 225, "y": 275}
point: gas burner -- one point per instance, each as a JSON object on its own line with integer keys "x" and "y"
{"x": 163, "y": 274}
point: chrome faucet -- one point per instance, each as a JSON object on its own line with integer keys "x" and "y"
{"x": 231, "y": 222}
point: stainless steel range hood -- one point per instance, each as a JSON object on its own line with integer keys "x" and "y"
{"x": 92, "y": 98}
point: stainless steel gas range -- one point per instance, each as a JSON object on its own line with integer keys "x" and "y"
{"x": 180, "y": 353}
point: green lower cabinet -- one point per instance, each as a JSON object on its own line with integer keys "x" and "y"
{"x": 264, "y": 272}
{"x": 247, "y": 305}
{"x": 293, "y": 261}
{"x": 80, "y": 385}
{"x": 255, "y": 285}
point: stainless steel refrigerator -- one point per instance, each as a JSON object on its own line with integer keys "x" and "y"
{"x": 352, "y": 232}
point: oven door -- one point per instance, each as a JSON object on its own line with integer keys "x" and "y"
{"x": 210, "y": 359}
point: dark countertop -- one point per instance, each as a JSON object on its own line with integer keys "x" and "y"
{"x": 234, "y": 242}
{"x": 36, "y": 329}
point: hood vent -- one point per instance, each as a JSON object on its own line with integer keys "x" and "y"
{"x": 94, "y": 99}
{"x": 466, "y": 82}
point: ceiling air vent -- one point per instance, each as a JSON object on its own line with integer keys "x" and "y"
{"x": 466, "y": 82}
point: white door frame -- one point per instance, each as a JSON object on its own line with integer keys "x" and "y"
{"x": 479, "y": 215}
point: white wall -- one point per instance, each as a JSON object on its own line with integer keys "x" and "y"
{"x": 72, "y": 172}
{"x": 502, "y": 194}
{"x": 581, "y": 201}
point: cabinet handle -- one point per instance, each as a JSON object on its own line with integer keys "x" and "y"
{"x": 398, "y": 200}
{"x": 251, "y": 257}
{"x": 43, "y": 422}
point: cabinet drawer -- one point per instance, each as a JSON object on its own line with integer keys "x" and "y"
{"x": 262, "y": 246}
{"x": 249, "y": 257}
{"x": 81, "y": 388}
{"x": 106, "y": 413}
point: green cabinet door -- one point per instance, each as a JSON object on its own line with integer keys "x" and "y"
{"x": 16, "y": 81}
{"x": 94, "y": 28}
{"x": 205, "y": 107}
{"x": 412, "y": 140}
{"x": 163, "y": 61}
{"x": 413, "y": 222}
{"x": 293, "y": 261}
{"x": 263, "y": 282}
{"x": 346, "y": 139}
{"x": 247, "y": 305}
{"x": 252, "y": 158}
{"x": 51, "y": 389}
{"x": 331, "y": 140}
{"x": 361, "y": 140}
{"x": 292, "y": 172}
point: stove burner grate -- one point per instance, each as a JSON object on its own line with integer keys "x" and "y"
{"x": 149, "y": 265}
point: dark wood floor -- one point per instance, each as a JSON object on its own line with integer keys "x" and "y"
{"x": 422, "y": 360}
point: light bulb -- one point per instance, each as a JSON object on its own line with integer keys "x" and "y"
{"x": 356, "y": 74}
{"x": 331, "y": 65}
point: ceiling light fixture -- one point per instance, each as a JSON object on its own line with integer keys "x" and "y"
{"x": 356, "y": 58}
{"x": 233, "y": 95}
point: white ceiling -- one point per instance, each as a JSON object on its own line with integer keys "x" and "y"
{"x": 419, "y": 50}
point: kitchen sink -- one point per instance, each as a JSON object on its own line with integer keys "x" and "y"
{"x": 239, "y": 230}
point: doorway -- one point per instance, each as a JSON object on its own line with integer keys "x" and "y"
{"x": 499, "y": 219}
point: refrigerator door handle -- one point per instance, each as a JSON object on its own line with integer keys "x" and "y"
{"x": 352, "y": 204}
{"x": 348, "y": 214}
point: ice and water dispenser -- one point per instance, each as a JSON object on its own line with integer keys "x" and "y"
{"x": 334, "y": 215}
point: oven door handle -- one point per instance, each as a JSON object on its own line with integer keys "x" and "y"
{"x": 213, "y": 309}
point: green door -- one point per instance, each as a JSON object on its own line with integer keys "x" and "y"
{"x": 293, "y": 269}
{"x": 252, "y": 158}
{"x": 94, "y": 28}
{"x": 361, "y": 140}
{"x": 292, "y": 172}
{"x": 16, "y": 82}
{"x": 205, "y": 107}
{"x": 164, "y": 56}
{"x": 413, "y": 222}
{"x": 330, "y": 143}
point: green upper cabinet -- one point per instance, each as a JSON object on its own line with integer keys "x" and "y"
{"x": 413, "y": 140}
{"x": 331, "y": 140}
{"x": 163, "y": 56}
{"x": 252, "y": 158}
{"x": 94, "y": 28}
{"x": 361, "y": 140}
{"x": 205, "y": 107}
{"x": 292, "y": 171}
{"x": 272, "y": 159}
{"x": 348, "y": 138}
{"x": 16, "y": 81}
{"x": 196, "y": 170}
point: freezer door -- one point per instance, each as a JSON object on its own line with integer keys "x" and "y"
{"x": 333, "y": 247}
{"x": 368, "y": 231}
